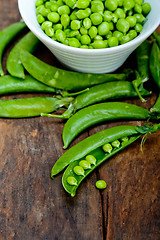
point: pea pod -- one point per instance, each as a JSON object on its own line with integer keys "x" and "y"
{"x": 155, "y": 63}
{"x": 142, "y": 57}
{"x": 30, "y": 107}
{"x": 6, "y": 35}
{"x": 62, "y": 79}
{"x": 14, "y": 66}
{"x": 93, "y": 142}
{"x": 133, "y": 133}
{"x": 9, "y": 84}
{"x": 101, "y": 112}
{"x": 156, "y": 35}
{"x": 156, "y": 108}
{"x": 101, "y": 93}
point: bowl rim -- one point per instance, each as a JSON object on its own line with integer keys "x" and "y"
{"x": 43, "y": 37}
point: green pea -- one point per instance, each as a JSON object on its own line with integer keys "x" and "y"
{"x": 91, "y": 159}
{"x": 65, "y": 19}
{"x": 73, "y": 33}
{"x": 125, "y": 39}
{"x": 78, "y": 170}
{"x": 85, "y": 164}
{"x": 138, "y": 8}
{"x": 54, "y": 7}
{"x": 116, "y": 143}
{"x": 130, "y": 12}
{"x": 128, "y": 4}
{"x": 138, "y": 27}
{"x": 75, "y": 24}
{"x": 70, "y": 3}
{"x": 109, "y": 34}
{"x": 82, "y": 4}
{"x": 106, "y": 42}
{"x": 111, "y": 5}
{"x": 139, "y": 17}
{"x": 66, "y": 42}
{"x": 85, "y": 39}
{"x": 107, "y": 148}
{"x": 101, "y": 184}
{"x": 45, "y": 25}
{"x": 90, "y": 47}
{"x": 146, "y": 8}
{"x": 103, "y": 28}
{"x": 44, "y": 12}
{"x": 111, "y": 26}
{"x": 72, "y": 181}
{"x": 120, "y": 3}
{"x": 120, "y": 13}
{"x": 122, "y": 25}
{"x": 48, "y": 5}
{"x": 60, "y": 35}
{"x": 60, "y": 3}
{"x": 73, "y": 15}
{"x": 38, "y": 9}
{"x": 107, "y": 16}
{"x": 132, "y": 34}
{"x": 81, "y": 14}
{"x": 57, "y": 26}
{"x": 112, "y": 42}
{"x": 114, "y": 18}
{"x": 139, "y": 2}
{"x": 125, "y": 139}
{"x": 83, "y": 30}
{"x": 96, "y": 18}
{"x": 131, "y": 20}
{"x": 97, "y": 6}
{"x": 93, "y": 32}
{"x": 63, "y": 10}
{"x": 67, "y": 32}
{"x": 49, "y": 31}
{"x": 74, "y": 42}
{"x": 87, "y": 23}
{"x": 39, "y": 2}
{"x": 118, "y": 35}
{"x": 84, "y": 46}
{"x": 98, "y": 37}
{"x": 53, "y": 17}
{"x": 78, "y": 36}
{"x": 40, "y": 18}
{"x": 98, "y": 44}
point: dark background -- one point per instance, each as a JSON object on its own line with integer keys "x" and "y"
{"x": 34, "y": 207}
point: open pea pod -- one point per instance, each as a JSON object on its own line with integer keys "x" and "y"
{"x": 115, "y": 139}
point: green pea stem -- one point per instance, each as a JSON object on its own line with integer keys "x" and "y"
{"x": 67, "y": 94}
{"x": 137, "y": 83}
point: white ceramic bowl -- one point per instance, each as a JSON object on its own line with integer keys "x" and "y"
{"x": 90, "y": 60}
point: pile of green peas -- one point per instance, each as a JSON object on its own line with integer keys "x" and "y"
{"x": 92, "y": 24}
{"x": 90, "y": 160}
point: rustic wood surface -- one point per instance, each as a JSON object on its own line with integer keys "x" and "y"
{"x": 34, "y": 207}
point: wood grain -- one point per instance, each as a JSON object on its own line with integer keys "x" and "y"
{"x": 34, "y": 207}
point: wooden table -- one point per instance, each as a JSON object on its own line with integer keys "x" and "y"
{"x": 34, "y": 207}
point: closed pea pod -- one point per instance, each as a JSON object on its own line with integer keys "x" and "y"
{"x": 6, "y": 35}
{"x": 30, "y": 107}
{"x": 101, "y": 112}
{"x": 9, "y": 84}
{"x": 93, "y": 145}
{"x": 14, "y": 66}
{"x": 63, "y": 79}
{"x": 101, "y": 93}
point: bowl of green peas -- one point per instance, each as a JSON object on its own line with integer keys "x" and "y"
{"x": 92, "y": 36}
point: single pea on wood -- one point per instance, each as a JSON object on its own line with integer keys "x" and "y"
{"x": 101, "y": 184}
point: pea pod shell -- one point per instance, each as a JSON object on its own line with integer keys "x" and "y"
{"x": 105, "y": 91}
{"x": 142, "y": 56}
{"x": 30, "y": 107}
{"x": 86, "y": 146}
{"x": 14, "y": 66}
{"x": 156, "y": 107}
{"x": 100, "y": 156}
{"x": 101, "y": 112}
{"x": 155, "y": 64}
{"x": 156, "y": 35}
{"x": 9, "y": 84}
{"x": 6, "y": 35}
{"x": 63, "y": 79}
